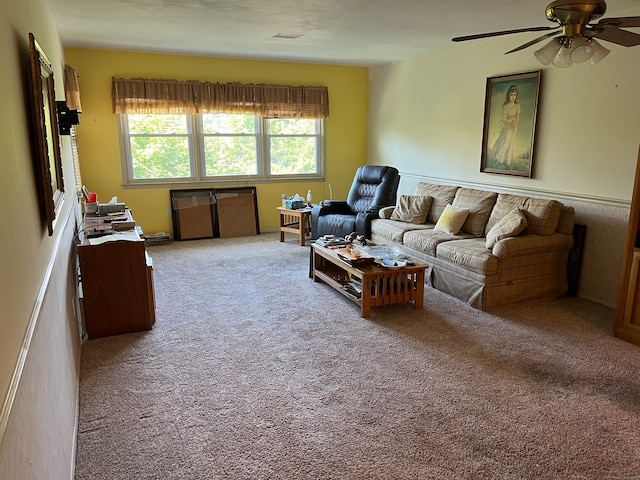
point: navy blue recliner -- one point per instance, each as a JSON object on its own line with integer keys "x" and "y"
{"x": 374, "y": 187}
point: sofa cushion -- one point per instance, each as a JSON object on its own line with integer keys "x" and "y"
{"x": 441, "y": 194}
{"x": 426, "y": 240}
{"x": 480, "y": 204}
{"x": 505, "y": 203}
{"x": 412, "y": 209}
{"x": 567, "y": 220}
{"x": 452, "y": 219}
{"x": 470, "y": 254}
{"x": 542, "y": 215}
{"x": 393, "y": 230}
{"x": 510, "y": 225}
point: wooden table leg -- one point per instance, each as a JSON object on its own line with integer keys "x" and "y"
{"x": 365, "y": 297}
{"x": 304, "y": 227}
{"x": 282, "y": 225}
{"x": 420, "y": 290}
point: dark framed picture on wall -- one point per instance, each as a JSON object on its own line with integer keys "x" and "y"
{"x": 48, "y": 164}
{"x": 510, "y": 111}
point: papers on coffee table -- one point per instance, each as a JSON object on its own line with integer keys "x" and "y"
{"x": 333, "y": 242}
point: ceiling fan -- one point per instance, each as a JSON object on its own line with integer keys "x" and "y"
{"x": 577, "y": 42}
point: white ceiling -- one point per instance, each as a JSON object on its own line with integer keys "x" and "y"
{"x": 342, "y": 32}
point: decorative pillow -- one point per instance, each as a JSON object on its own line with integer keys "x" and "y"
{"x": 412, "y": 209}
{"x": 441, "y": 194}
{"x": 479, "y": 203}
{"x": 542, "y": 215}
{"x": 452, "y": 219}
{"x": 504, "y": 204}
{"x": 510, "y": 225}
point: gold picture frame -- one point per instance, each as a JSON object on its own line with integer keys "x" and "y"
{"x": 47, "y": 161}
{"x": 510, "y": 113}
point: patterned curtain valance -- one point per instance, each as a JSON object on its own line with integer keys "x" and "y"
{"x": 72, "y": 88}
{"x": 141, "y": 95}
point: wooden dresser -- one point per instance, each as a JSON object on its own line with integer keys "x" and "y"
{"x": 627, "y": 321}
{"x": 116, "y": 278}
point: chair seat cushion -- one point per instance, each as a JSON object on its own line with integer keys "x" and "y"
{"x": 337, "y": 224}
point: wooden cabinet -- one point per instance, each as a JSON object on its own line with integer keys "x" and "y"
{"x": 116, "y": 281}
{"x": 627, "y": 321}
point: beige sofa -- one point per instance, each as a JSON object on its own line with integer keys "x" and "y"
{"x": 517, "y": 266}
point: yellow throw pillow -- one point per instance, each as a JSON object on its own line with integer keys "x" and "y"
{"x": 451, "y": 220}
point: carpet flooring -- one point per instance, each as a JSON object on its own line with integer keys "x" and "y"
{"x": 253, "y": 371}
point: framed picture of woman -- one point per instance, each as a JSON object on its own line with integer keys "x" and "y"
{"x": 511, "y": 105}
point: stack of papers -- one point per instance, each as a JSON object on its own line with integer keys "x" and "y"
{"x": 332, "y": 242}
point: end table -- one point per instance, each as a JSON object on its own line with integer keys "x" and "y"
{"x": 295, "y": 221}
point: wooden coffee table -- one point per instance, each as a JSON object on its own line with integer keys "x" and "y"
{"x": 379, "y": 285}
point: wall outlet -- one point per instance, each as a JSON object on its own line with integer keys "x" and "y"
{"x": 169, "y": 212}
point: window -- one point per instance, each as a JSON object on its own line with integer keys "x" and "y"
{"x": 230, "y": 144}
{"x": 293, "y": 146}
{"x": 158, "y": 147}
{"x": 170, "y": 148}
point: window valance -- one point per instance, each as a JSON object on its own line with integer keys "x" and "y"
{"x": 72, "y": 88}
{"x": 141, "y": 95}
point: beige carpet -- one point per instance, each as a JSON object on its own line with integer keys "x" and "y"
{"x": 255, "y": 372}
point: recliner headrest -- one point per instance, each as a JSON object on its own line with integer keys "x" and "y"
{"x": 371, "y": 173}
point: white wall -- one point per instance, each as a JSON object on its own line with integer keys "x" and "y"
{"x": 426, "y": 118}
{"x": 39, "y": 438}
{"x": 39, "y": 339}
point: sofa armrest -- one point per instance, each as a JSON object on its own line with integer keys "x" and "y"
{"x": 385, "y": 212}
{"x": 363, "y": 223}
{"x": 532, "y": 244}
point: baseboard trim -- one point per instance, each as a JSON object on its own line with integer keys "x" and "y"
{"x": 7, "y": 406}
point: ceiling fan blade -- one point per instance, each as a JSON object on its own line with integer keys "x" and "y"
{"x": 532, "y": 42}
{"x": 622, "y": 22}
{"x": 619, "y": 37}
{"x": 504, "y": 32}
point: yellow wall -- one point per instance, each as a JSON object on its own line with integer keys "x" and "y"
{"x": 346, "y": 129}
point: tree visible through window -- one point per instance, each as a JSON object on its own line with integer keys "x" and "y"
{"x": 230, "y": 144}
{"x": 200, "y": 147}
{"x": 292, "y": 145}
{"x": 159, "y": 146}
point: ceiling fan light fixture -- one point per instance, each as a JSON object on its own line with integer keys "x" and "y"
{"x": 546, "y": 54}
{"x": 599, "y": 52}
{"x": 582, "y": 50}
{"x": 580, "y": 24}
{"x": 562, "y": 58}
